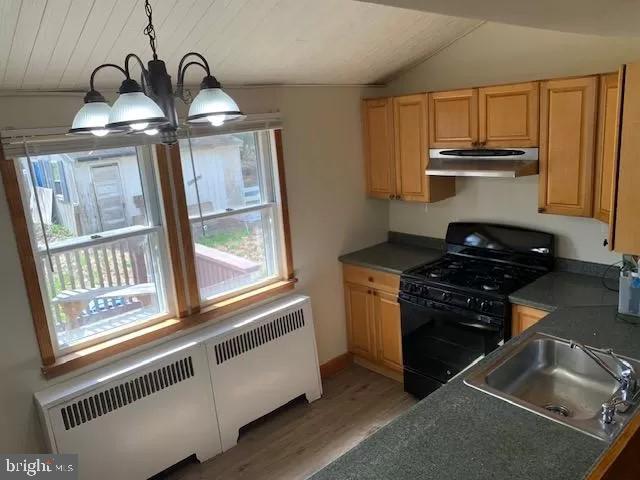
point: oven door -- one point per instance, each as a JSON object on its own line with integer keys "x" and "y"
{"x": 439, "y": 341}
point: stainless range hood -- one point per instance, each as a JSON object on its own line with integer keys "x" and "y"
{"x": 483, "y": 162}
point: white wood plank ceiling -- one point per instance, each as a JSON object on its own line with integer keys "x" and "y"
{"x": 55, "y": 44}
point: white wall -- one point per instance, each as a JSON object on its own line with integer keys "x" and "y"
{"x": 492, "y": 54}
{"x": 330, "y": 215}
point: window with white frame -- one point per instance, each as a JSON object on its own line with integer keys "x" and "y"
{"x": 98, "y": 242}
{"x": 231, "y": 188}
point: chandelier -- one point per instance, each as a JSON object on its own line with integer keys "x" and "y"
{"x": 148, "y": 107}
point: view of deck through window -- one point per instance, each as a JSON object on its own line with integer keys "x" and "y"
{"x": 233, "y": 216}
{"x": 103, "y": 269}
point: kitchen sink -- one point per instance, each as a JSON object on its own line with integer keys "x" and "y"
{"x": 544, "y": 375}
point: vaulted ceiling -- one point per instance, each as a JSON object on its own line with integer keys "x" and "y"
{"x": 595, "y": 17}
{"x": 55, "y": 44}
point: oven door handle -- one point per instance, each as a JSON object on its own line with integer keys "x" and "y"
{"x": 479, "y": 326}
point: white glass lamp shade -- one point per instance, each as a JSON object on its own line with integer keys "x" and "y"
{"x": 91, "y": 119}
{"x": 136, "y": 111}
{"x": 214, "y": 106}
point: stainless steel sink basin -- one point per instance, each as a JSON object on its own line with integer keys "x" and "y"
{"x": 544, "y": 375}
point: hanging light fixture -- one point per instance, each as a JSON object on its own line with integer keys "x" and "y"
{"x": 149, "y": 106}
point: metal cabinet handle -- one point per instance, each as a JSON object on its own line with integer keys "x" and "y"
{"x": 398, "y": 197}
{"x": 390, "y": 196}
{"x": 370, "y": 279}
{"x": 369, "y": 292}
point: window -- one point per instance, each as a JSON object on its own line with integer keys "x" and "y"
{"x": 100, "y": 259}
{"x": 123, "y": 245}
{"x": 235, "y": 220}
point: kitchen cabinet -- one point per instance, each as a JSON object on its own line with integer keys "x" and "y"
{"x": 359, "y": 305}
{"x": 523, "y": 317}
{"x": 508, "y": 115}
{"x": 373, "y": 319}
{"x": 411, "y": 153}
{"x": 453, "y": 119}
{"x": 606, "y": 148}
{"x": 567, "y": 146}
{"x": 396, "y": 151}
{"x": 377, "y": 124}
{"x": 624, "y": 229}
{"x": 387, "y": 311}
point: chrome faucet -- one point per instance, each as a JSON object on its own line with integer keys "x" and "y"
{"x": 626, "y": 377}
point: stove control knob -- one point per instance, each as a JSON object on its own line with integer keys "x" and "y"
{"x": 485, "y": 305}
{"x": 446, "y": 296}
{"x": 471, "y": 302}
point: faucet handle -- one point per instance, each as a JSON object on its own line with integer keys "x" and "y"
{"x": 627, "y": 368}
{"x": 608, "y": 412}
{"x": 610, "y": 408}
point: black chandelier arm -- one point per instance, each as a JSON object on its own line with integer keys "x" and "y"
{"x": 184, "y": 59}
{"x": 105, "y": 65}
{"x": 182, "y": 72}
{"x": 144, "y": 76}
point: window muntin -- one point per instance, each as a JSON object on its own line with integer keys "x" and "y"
{"x": 104, "y": 271}
{"x": 233, "y": 212}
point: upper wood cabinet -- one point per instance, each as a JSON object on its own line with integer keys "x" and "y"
{"x": 377, "y": 119}
{"x": 606, "y": 149}
{"x": 396, "y": 151}
{"x": 567, "y": 144}
{"x": 508, "y": 115}
{"x": 453, "y": 118}
{"x": 624, "y": 230}
{"x": 411, "y": 153}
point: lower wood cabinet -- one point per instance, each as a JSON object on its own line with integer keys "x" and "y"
{"x": 524, "y": 317}
{"x": 387, "y": 317}
{"x": 360, "y": 323}
{"x": 373, "y": 319}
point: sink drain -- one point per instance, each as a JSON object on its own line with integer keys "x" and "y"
{"x": 558, "y": 409}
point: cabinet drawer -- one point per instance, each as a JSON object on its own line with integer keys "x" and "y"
{"x": 371, "y": 278}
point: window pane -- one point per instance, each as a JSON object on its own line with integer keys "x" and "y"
{"x": 98, "y": 289}
{"x": 84, "y": 193}
{"x": 227, "y": 171}
{"x": 234, "y": 252}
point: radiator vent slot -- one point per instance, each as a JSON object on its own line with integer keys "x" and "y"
{"x": 107, "y": 401}
{"x": 258, "y": 336}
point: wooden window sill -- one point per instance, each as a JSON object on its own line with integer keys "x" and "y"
{"x": 101, "y": 351}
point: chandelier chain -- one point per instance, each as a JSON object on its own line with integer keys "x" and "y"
{"x": 149, "y": 30}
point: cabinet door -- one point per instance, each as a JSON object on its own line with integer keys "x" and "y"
{"x": 410, "y": 125}
{"x": 453, "y": 118}
{"x": 625, "y": 227}
{"x": 387, "y": 312}
{"x": 508, "y": 115}
{"x": 377, "y": 123}
{"x": 411, "y": 153}
{"x": 360, "y": 320}
{"x": 606, "y": 146}
{"x": 524, "y": 317}
{"x": 567, "y": 144}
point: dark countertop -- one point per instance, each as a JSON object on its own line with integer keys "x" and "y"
{"x": 565, "y": 289}
{"x": 461, "y": 433}
{"x": 392, "y": 257}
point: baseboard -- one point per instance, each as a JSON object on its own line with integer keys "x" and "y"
{"x": 387, "y": 372}
{"x": 336, "y": 364}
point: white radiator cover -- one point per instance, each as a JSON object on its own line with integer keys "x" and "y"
{"x": 266, "y": 361}
{"x": 140, "y": 415}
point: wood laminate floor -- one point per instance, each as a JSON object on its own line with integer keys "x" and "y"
{"x": 301, "y": 438}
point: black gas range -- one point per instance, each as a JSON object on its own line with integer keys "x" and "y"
{"x": 456, "y": 310}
